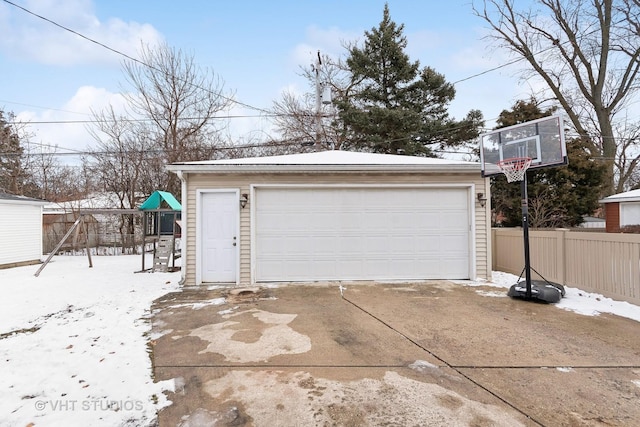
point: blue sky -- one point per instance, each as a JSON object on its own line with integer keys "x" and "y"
{"x": 256, "y": 47}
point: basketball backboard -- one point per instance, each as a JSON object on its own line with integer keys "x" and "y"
{"x": 542, "y": 140}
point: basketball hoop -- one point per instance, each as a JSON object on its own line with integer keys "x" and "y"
{"x": 514, "y": 168}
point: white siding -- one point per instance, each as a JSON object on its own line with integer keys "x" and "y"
{"x": 246, "y": 182}
{"x": 21, "y": 232}
{"x": 629, "y": 213}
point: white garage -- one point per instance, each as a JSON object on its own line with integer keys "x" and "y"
{"x": 333, "y": 216}
{"x": 21, "y": 233}
{"x": 362, "y": 233}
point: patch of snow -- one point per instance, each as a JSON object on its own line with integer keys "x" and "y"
{"x": 422, "y": 365}
{"x": 591, "y": 304}
{"x": 576, "y": 300}
{"x": 492, "y": 294}
{"x": 277, "y": 337}
{"x": 199, "y": 305}
{"x": 228, "y": 311}
{"x": 79, "y": 354}
{"x": 336, "y": 157}
{"x": 503, "y": 280}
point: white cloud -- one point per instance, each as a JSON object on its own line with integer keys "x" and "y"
{"x": 329, "y": 41}
{"x": 25, "y": 36}
{"x": 70, "y": 136}
{"x": 248, "y": 126}
{"x": 425, "y": 40}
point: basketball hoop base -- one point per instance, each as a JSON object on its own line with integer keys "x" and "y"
{"x": 540, "y": 291}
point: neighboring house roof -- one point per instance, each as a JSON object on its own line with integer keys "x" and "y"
{"x": 102, "y": 201}
{"x": 629, "y": 196}
{"x": 155, "y": 200}
{"x": 12, "y": 198}
{"x": 331, "y": 161}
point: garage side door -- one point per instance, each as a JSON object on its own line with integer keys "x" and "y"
{"x": 309, "y": 234}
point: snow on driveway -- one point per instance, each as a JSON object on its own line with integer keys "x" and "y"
{"x": 576, "y": 300}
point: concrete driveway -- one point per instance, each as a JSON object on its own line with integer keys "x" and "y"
{"x": 428, "y": 354}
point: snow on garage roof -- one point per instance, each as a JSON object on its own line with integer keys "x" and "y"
{"x": 329, "y": 160}
{"x": 629, "y": 196}
{"x": 11, "y": 198}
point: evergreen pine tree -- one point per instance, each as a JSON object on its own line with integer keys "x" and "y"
{"x": 11, "y": 152}
{"x": 396, "y": 106}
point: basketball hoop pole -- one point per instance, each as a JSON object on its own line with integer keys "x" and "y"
{"x": 525, "y": 234}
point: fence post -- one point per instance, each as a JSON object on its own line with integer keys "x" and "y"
{"x": 493, "y": 248}
{"x": 561, "y": 247}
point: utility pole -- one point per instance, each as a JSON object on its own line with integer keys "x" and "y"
{"x": 318, "y": 102}
{"x": 323, "y": 97}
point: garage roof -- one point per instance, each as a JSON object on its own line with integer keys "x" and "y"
{"x": 329, "y": 161}
{"x": 11, "y": 198}
{"x": 629, "y": 196}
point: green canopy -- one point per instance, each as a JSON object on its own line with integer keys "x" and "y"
{"x": 155, "y": 200}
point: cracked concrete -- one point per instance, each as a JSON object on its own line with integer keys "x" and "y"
{"x": 432, "y": 353}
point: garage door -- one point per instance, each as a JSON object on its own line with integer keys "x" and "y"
{"x": 320, "y": 233}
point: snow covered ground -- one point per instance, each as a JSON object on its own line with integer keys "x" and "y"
{"x": 575, "y": 300}
{"x": 73, "y": 341}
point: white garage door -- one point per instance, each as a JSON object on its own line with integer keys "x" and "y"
{"x": 308, "y": 234}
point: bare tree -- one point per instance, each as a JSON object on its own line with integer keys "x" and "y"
{"x": 179, "y": 100}
{"x": 56, "y": 182}
{"x": 627, "y": 160}
{"x": 544, "y": 211}
{"x": 297, "y": 117}
{"x": 127, "y": 163}
{"x": 587, "y": 52}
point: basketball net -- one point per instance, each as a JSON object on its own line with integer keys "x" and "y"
{"x": 514, "y": 168}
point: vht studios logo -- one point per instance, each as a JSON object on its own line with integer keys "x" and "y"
{"x": 88, "y": 405}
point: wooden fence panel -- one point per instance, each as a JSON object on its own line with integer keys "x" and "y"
{"x": 605, "y": 263}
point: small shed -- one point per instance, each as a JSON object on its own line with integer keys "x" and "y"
{"x": 333, "y": 216}
{"x": 161, "y": 228}
{"x": 21, "y": 232}
{"x": 622, "y": 210}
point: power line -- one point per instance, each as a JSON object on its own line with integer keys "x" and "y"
{"x": 219, "y": 94}
{"x": 489, "y": 70}
{"x": 43, "y": 108}
{"x": 128, "y": 120}
{"x": 268, "y": 113}
{"x": 131, "y": 58}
